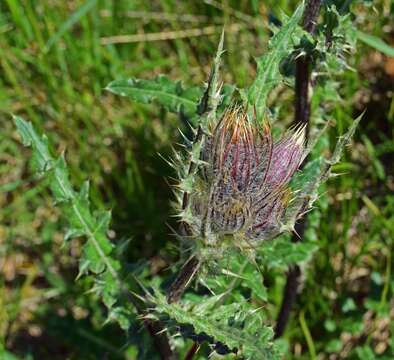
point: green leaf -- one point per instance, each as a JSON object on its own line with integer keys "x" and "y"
{"x": 283, "y": 252}
{"x": 75, "y": 204}
{"x": 376, "y": 43}
{"x": 207, "y": 110}
{"x": 237, "y": 272}
{"x": 210, "y": 100}
{"x": 97, "y": 251}
{"x": 172, "y": 95}
{"x": 237, "y": 326}
{"x": 309, "y": 173}
{"x": 343, "y": 141}
{"x": 268, "y": 74}
{"x": 307, "y": 182}
{"x": 193, "y": 102}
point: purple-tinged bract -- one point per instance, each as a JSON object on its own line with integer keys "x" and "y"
{"x": 245, "y": 178}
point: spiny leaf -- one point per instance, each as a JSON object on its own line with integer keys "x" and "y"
{"x": 315, "y": 173}
{"x": 282, "y": 252}
{"x": 97, "y": 251}
{"x": 237, "y": 327}
{"x": 172, "y": 95}
{"x": 211, "y": 97}
{"x": 309, "y": 173}
{"x": 268, "y": 74}
{"x": 207, "y": 111}
{"x": 237, "y": 271}
{"x": 343, "y": 141}
{"x": 193, "y": 102}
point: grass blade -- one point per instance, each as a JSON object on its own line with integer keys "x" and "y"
{"x": 70, "y": 22}
{"x": 376, "y": 43}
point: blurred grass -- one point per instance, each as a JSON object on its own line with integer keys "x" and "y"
{"x": 54, "y": 68}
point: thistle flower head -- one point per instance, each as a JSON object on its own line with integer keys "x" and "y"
{"x": 246, "y": 177}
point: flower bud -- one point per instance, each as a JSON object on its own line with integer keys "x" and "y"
{"x": 246, "y": 177}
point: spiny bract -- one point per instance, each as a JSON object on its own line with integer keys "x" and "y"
{"x": 242, "y": 189}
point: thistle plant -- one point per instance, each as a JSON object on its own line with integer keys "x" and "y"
{"x": 239, "y": 187}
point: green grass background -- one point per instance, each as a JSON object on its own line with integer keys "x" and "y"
{"x": 54, "y": 66}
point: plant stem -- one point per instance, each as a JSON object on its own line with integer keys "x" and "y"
{"x": 303, "y": 64}
{"x": 311, "y": 14}
{"x": 289, "y": 292}
{"x": 159, "y": 338}
{"x": 192, "y": 351}
{"x": 155, "y": 328}
{"x": 183, "y": 279}
{"x": 302, "y": 116}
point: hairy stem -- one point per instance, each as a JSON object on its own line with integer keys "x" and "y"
{"x": 154, "y": 328}
{"x": 290, "y": 290}
{"x": 160, "y": 339}
{"x": 183, "y": 279}
{"x": 192, "y": 351}
{"x": 302, "y": 116}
